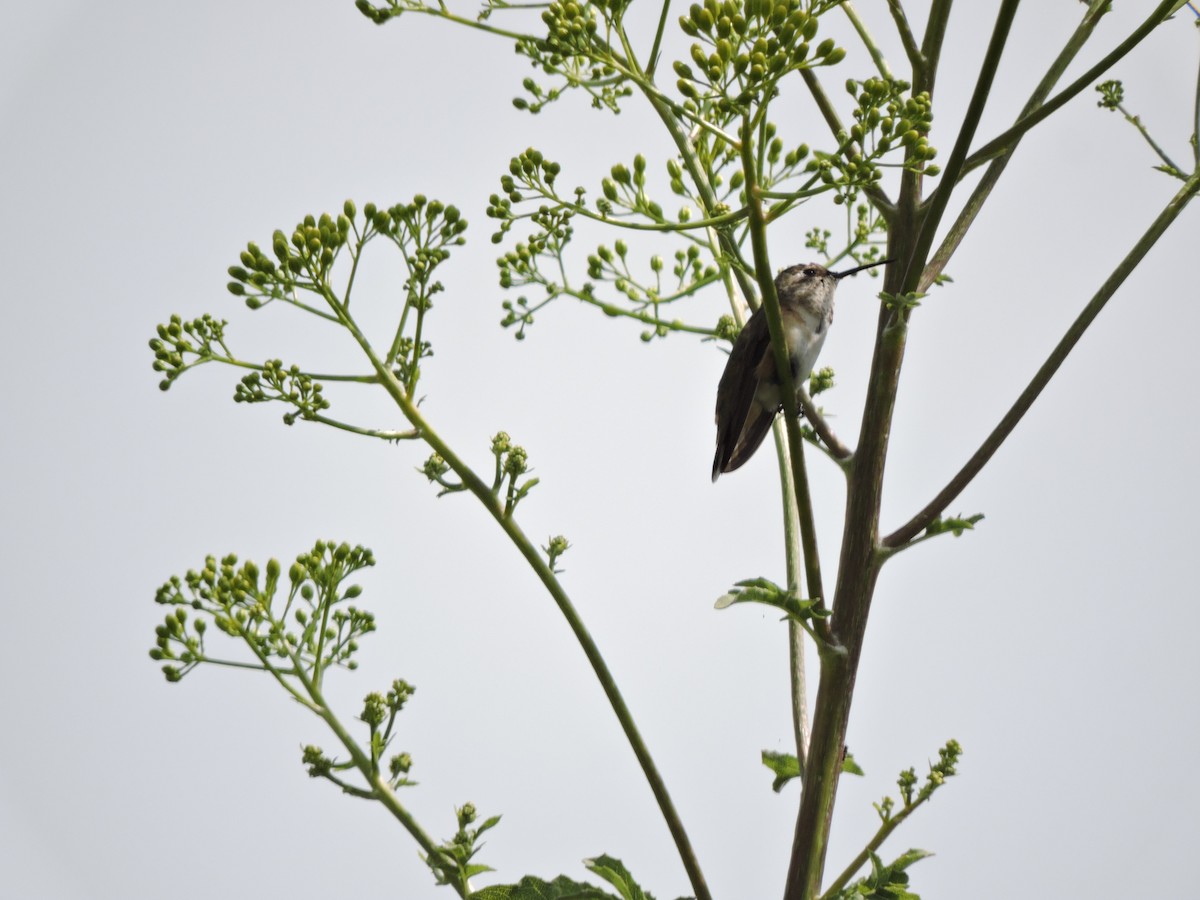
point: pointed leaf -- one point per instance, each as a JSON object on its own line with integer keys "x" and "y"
{"x": 614, "y": 872}
{"x": 906, "y": 859}
{"x": 784, "y": 765}
{"x": 850, "y": 765}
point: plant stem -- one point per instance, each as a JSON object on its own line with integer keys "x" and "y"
{"x": 936, "y": 207}
{"x": 877, "y": 195}
{"x": 658, "y": 36}
{"x": 1169, "y": 163}
{"x": 906, "y": 36}
{"x": 791, "y": 544}
{"x": 1008, "y": 139}
{"x": 1023, "y": 402}
{"x": 979, "y": 195}
{"x": 545, "y": 574}
{"x": 868, "y": 41}
{"x": 884, "y": 832}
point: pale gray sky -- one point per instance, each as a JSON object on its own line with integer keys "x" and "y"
{"x": 144, "y": 144}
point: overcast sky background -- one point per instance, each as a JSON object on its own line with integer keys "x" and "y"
{"x": 145, "y": 143}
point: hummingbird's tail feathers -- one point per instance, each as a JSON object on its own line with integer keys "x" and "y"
{"x": 733, "y": 455}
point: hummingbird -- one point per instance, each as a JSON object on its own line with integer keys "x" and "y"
{"x": 748, "y": 396}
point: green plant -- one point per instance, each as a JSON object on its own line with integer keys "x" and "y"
{"x": 737, "y": 168}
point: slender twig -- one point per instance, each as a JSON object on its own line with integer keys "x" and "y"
{"x": 1001, "y": 432}
{"x": 708, "y": 197}
{"x": 906, "y": 35}
{"x": 925, "y": 74}
{"x": 877, "y": 194}
{"x": 1006, "y": 140}
{"x": 936, "y": 207}
{"x": 868, "y": 41}
{"x": 1168, "y": 163}
{"x": 979, "y": 195}
{"x": 1196, "y": 119}
{"x": 393, "y": 436}
{"x": 797, "y": 674}
{"x": 874, "y": 844}
{"x": 795, "y": 441}
{"x": 658, "y": 36}
{"x": 529, "y": 550}
{"x": 838, "y": 451}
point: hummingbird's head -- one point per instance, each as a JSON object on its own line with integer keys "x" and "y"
{"x": 804, "y": 279}
{"x": 812, "y": 283}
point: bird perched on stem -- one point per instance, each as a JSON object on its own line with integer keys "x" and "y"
{"x": 748, "y": 396}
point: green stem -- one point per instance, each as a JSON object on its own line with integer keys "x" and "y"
{"x": 1001, "y": 432}
{"x": 380, "y": 788}
{"x": 704, "y": 188}
{"x": 791, "y": 548}
{"x": 1136, "y": 122}
{"x": 1196, "y": 119}
{"x": 925, "y": 74}
{"x": 877, "y": 195}
{"x": 658, "y": 36}
{"x": 532, "y": 555}
{"x": 868, "y": 41}
{"x": 936, "y": 208}
{"x": 906, "y": 35}
{"x": 1004, "y": 142}
{"x": 365, "y": 432}
{"x": 884, "y": 832}
{"x": 979, "y": 195}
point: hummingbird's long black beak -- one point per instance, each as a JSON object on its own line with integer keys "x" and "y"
{"x": 882, "y": 262}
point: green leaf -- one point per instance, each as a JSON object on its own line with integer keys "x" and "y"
{"x": 614, "y": 872}
{"x": 761, "y": 590}
{"x": 784, "y": 765}
{"x": 494, "y": 892}
{"x": 531, "y": 888}
{"x": 954, "y": 524}
{"x": 906, "y": 859}
{"x": 850, "y": 765}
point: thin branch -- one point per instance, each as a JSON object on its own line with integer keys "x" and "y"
{"x": 915, "y": 60}
{"x": 838, "y": 451}
{"x": 392, "y": 436}
{"x": 795, "y": 441}
{"x": 979, "y": 195}
{"x": 797, "y": 674}
{"x": 885, "y": 831}
{"x": 1004, "y": 142}
{"x": 1168, "y": 163}
{"x": 658, "y": 36}
{"x": 877, "y": 194}
{"x": 925, "y": 74}
{"x": 868, "y": 41}
{"x": 529, "y": 550}
{"x": 936, "y": 207}
{"x": 947, "y": 495}
{"x": 1196, "y": 119}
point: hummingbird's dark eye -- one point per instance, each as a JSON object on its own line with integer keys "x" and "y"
{"x": 810, "y": 272}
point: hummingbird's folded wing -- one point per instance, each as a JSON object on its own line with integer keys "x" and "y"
{"x": 742, "y": 423}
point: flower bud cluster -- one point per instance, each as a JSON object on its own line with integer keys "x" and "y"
{"x": 290, "y": 386}
{"x": 743, "y": 48}
{"x": 202, "y": 338}
{"x": 887, "y": 117}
